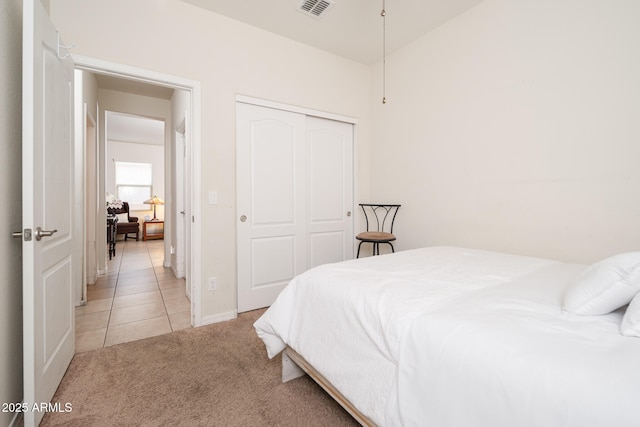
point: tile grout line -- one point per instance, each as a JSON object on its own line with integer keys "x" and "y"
{"x": 149, "y": 254}
{"x": 113, "y": 298}
{"x": 155, "y": 274}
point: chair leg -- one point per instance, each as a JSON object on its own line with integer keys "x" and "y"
{"x": 358, "y": 255}
{"x": 392, "y": 250}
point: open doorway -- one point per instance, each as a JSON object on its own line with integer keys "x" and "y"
{"x": 105, "y": 88}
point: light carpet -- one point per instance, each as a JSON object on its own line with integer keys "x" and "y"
{"x": 216, "y": 375}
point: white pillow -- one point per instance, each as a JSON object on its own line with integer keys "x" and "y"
{"x": 123, "y": 217}
{"x": 604, "y": 286}
{"x": 630, "y": 325}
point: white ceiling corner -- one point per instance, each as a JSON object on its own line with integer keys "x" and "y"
{"x": 351, "y": 29}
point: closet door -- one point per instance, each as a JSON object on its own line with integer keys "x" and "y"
{"x": 330, "y": 191}
{"x": 294, "y": 198}
{"x": 271, "y": 202}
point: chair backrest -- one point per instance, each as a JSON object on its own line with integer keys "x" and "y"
{"x": 380, "y": 217}
{"x": 123, "y": 209}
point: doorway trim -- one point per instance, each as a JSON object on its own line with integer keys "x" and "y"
{"x": 297, "y": 109}
{"x": 193, "y": 87}
{"x": 89, "y": 139}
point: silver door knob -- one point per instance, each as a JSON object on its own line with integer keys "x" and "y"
{"x": 243, "y": 218}
{"x": 349, "y": 213}
{"x": 40, "y": 233}
{"x": 182, "y": 212}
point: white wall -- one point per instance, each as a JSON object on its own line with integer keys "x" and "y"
{"x": 117, "y": 151}
{"x": 515, "y": 127}
{"x": 138, "y": 153}
{"x": 228, "y": 58}
{"x": 11, "y": 214}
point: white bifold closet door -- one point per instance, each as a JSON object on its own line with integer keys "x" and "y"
{"x": 294, "y": 198}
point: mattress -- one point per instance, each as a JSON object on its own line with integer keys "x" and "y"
{"x": 454, "y": 336}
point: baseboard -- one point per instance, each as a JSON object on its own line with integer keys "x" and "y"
{"x": 179, "y": 274}
{"x": 92, "y": 277}
{"x": 221, "y": 317}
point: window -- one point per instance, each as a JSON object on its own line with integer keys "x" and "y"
{"x": 134, "y": 184}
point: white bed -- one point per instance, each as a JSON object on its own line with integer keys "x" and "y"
{"x": 448, "y": 336}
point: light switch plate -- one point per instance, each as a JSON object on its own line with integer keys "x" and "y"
{"x": 213, "y": 197}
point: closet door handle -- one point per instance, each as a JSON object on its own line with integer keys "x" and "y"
{"x": 243, "y": 218}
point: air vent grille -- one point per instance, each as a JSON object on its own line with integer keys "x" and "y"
{"x": 315, "y": 8}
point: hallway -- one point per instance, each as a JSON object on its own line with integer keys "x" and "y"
{"x": 137, "y": 298}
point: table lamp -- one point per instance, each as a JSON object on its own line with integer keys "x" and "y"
{"x": 155, "y": 201}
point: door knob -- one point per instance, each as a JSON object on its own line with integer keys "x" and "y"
{"x": 243, "y": 218}
{"x": 349, "y": 213}
{"x": 40, "y": 233}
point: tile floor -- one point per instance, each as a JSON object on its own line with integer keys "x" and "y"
{"x": 137, "y": 298}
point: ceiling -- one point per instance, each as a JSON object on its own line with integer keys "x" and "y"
{"x": 349, "y": 28}
{"x": 136, "y": 129}
{"x": 131, "y": 86}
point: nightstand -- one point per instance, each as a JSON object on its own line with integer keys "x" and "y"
{"x": 152, "y": 230}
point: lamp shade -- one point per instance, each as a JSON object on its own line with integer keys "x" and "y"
{"x": 155, "y": 200}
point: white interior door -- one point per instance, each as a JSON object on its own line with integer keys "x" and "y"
{"x": 294, "y": 197}
{"x": 270, "y": 199}
{"x": 330, "y": 190}
{"x": 52, "y": 264}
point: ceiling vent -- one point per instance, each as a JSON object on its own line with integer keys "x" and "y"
{"x": 315, "y": 8}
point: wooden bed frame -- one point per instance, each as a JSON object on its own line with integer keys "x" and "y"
{"x": 294, "y": 366}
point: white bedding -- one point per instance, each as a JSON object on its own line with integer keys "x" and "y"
{"x": 460, "y": 337}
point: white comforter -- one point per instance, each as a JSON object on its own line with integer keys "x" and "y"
{"x": 458, "y": 337}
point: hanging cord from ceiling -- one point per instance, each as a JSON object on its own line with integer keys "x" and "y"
{"x": 383, "y": 14}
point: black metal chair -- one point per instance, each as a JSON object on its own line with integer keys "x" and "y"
{"x": 380, "y": 219}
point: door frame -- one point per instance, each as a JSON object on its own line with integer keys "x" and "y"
{"x": 180, "y": 199}
{"x": 302, "y": 110}
{"x": 85, "y": 136}
{"x": 193, "y": 87}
